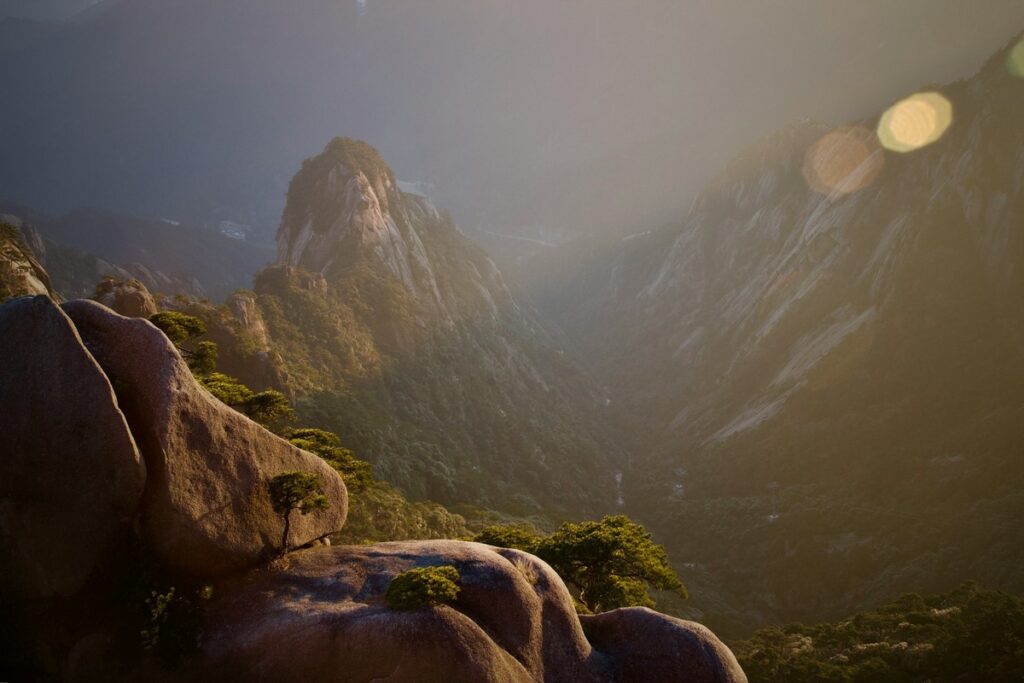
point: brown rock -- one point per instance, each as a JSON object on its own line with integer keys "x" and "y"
{"x": 127, "y": 297}
{"x": 206, "y": 509}
{"x": 321, "y": 615}
{"x": 646, "y": 646}
{"x": 71, "y": 478}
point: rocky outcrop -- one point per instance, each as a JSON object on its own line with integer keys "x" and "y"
{"x": 20, "y": 273}
{"x": 129, "y": 298}
{"x": 71, "y": 471}
{"x": 321, "y": 615}
{"x": 344, "y": 206}
{"x": 644, "y": 646}
{"x": 71, "y": 478}
{"x": 207, "y": 510}
{"x": 391, "y": 322}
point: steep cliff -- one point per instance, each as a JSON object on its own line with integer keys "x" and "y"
{"x": 389, "y": 327}
{"x": 826, "y": 358}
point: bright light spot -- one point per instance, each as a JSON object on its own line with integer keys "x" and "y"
{"x": 1015, "y": 62}
{"x": 915, "y": 122}
{"x": 843, "y": 161}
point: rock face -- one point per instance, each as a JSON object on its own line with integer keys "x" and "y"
{"x": 20, "y": 273}
{"x": 320, "y": 615}
{"x": 207, "y": 510}
{"x": 851, "y": 348}
{"x": 129, "y": 298}
{"x": 398, "y": 333}
{"x": 71, "y": 478}
{"x": 344, "y": 205}
{"x": 646, "y": 646}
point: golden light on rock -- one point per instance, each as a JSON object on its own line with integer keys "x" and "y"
{"x": 1015, "y": 61}
{"x": 843, "y": 161}
{"x": 915, "y": 122}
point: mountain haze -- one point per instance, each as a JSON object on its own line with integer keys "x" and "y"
{"x": 829, "y": 385}
{"x": 391, "y": 328}
{"x": 524, "y": 117}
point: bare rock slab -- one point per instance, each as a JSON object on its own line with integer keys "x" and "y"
{"x": 71, "y": 477}
{"x": 321, "y": 615}
{"x": 206, "y": 509}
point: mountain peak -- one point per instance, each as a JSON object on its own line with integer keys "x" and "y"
{"x": 344, "y": 207}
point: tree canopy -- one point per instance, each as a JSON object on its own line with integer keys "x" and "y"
{"x": 607, "y": 564}
{"x": 358, "y": 474}
{"x": 178, "y": 327}
{"x": 302, "y": 491}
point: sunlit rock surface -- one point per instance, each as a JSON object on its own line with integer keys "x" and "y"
{"x": 320, "y": 615}
{"x": 206, "y": 510}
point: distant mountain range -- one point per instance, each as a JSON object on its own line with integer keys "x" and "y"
{"x": 83, "y": 245}
{"x": 828, "y": 384}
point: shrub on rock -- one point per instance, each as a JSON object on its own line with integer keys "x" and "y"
{"x": 423, "y": 587}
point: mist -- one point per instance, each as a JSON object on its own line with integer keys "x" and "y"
{"x": 532, "y": 118}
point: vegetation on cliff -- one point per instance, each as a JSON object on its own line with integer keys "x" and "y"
{"x": 607, "y": 564}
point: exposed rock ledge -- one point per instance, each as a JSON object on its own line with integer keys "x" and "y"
{"x": 320, "y": 615}
{"x": 317, "y": 614}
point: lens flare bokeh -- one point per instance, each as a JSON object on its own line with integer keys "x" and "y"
{"x": 915, "y": 122}
{"x": 843, "y": 161}
{"x": 1015, "y": 61}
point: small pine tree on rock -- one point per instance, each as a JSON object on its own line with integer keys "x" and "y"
{"x": 302, "y": 491}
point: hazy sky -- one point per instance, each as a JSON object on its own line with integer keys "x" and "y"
{"x": 575, "y": 113}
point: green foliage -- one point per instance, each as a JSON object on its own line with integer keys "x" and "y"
{"x": 966, "y": 634}
{"x": 358, "y": 474}
{"x": 519, "y": 536}
{"x": 171, "y": 622}
{"x": 178, "y": 327}
{"x": 302, "y": 491}
{"x": 423, "y": 587}
{"x": 227, "y": 389}
{"x": 381, "y": 513}
{"x": 608, "y": 564}
{"x": 204, "y": 360}
{"x": 270, "y": 408}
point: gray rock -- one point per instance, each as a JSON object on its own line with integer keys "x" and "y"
{"x": 206, "y": 508}
{"x": 69, "y": 468}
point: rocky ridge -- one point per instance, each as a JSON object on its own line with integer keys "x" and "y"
{"x": 789, "y": 348}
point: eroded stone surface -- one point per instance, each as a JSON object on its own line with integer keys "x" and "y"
{"x": 206, "y": 507}
{"x": 321, "y": 615}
